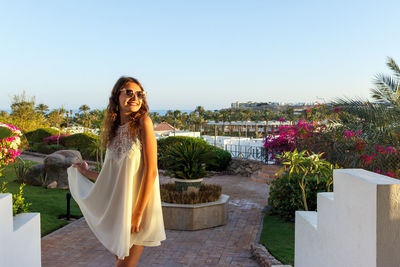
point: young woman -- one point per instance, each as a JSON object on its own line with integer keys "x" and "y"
{"x": 123, "y": 206}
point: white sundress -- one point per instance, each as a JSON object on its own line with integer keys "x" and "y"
{"x": 108, "y": 203}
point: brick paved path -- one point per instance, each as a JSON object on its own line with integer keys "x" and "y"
{"x": 75, "y": 245}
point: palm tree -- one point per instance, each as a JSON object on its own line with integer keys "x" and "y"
{"x": 225, "y": 117}
{"x": 193, "y": 119}
{"x": 247, "y": 113}
{"x": 379, "y": 120}
{"x": 85, "y": 116}
{"x": 155, "y": 117}
{"x": 231, "y": 114}
{"x": 42, "y": 108}
{"x": 177, "y": 116}
{"x": 200, "y": 117}
{"x": 84, "y": 108}
{"x": 388, "y": 87}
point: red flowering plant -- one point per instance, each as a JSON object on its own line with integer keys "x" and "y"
{"x": 347, "y": 147}
{"x": 354, "y": 150}
{"x": 383, "y": 160}
{"x": 288, "y": 137}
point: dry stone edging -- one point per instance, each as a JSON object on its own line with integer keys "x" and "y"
{"x": 244, "y": 167}
{"x": 260, "y": 253}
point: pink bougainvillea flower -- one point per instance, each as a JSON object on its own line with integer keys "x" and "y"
{"x": 390, "y": 174}
{"x": 348, "y": 134}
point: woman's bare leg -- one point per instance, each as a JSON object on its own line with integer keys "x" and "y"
{"x": 132, "y": 259}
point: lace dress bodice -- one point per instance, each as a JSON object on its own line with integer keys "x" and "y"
{"x": 122, "y": 143}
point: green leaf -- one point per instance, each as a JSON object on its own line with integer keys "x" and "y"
{"x": 5, "y": 132}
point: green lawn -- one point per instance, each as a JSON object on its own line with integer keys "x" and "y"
{"x": 51, "y": 203}
{"x": 278, "y": 237}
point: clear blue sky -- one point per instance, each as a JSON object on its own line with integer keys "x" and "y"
{"x": 189, "y": 53}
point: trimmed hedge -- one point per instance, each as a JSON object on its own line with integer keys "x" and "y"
{"x": 223, "y": 157}
{"x": 80, "y": 140}
{"x": 37, "y": 136}
{"x": 86, "y": 143}
{"x": 45, "y": 148}
{"x": 164, "y": 143}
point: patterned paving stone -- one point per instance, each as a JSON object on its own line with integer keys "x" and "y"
{"x": 228, "y": 245}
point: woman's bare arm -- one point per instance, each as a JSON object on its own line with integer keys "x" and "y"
{"x": 149, "y": 148}
{"x": 83, "y": 168}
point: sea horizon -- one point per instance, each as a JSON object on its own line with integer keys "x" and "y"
{"x": 162, "y": 112}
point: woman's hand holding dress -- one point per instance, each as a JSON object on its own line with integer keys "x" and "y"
{"x": 81, "y": 166}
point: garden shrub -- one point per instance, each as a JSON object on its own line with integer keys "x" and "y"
{"x": 222, "y": 157}
{"x": 54, "y": 139}
{"x": 86, "y": 143}
{"x": 302, "y": 176}
{"x": 37, "y": 136}
{"x": 45, "y": 148}
{"x": 164, "y": 143}
{"x": 285, "y": 195}
{"x": 207, "y": 193}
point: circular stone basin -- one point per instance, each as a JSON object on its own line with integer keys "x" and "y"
{"x": 195, "y": 216}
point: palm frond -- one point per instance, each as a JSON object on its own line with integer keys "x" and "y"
{"x": 387, "y": 82}
{"x": 369, "y": 112}
{"x": 393, "y": 66}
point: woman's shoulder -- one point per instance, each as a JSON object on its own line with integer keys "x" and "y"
{"x": 146, "y": 121}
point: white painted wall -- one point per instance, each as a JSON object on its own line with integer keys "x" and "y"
{"x": 177, "y": 133}
{"x": 222, "y": 141}
{"x": 19, "y": 236}
{"x": 357, "y": 225}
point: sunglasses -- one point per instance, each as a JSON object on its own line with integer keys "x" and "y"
{"x": 131, "y": 93}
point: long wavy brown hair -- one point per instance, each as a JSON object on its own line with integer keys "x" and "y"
{"x": 112, "y": 118}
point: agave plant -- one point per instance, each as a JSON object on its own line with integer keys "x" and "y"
{"x": 188, "y": 159}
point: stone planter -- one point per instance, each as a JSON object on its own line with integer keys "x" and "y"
{"x": 196, "y": 216}
{"x": 183, "y": 185}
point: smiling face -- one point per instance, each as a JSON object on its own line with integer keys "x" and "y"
{"x": 129, "y": 104}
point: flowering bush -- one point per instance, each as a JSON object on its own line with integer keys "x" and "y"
{"x": 302, "y": 134}
{"x": 54, "y": 139}
{"x": 348, "y": 149}
{"x": 383, "y": 160}
{"x": 9, "y": 145}
{"x": 9, "y": 150}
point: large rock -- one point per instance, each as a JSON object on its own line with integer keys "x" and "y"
{"x": 56, "y": 166}
{"x": 34, "y": 173}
